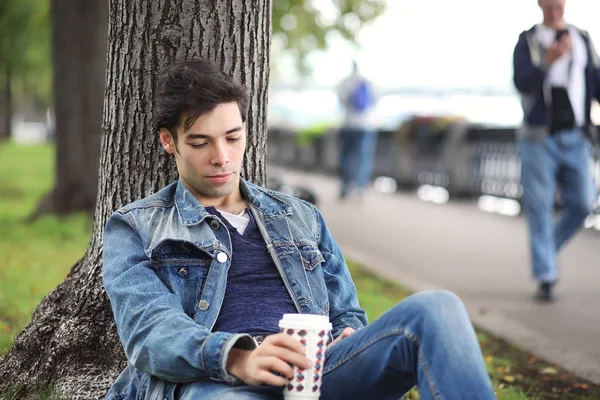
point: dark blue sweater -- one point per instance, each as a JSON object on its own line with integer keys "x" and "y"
{"x": 256, "y": 297}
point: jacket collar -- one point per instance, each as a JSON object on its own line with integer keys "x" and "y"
{"x": 192, "y": 212}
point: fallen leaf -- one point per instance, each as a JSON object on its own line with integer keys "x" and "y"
{"x": 581, "y": 386}
{"x": 549, "y": 371}
{"x": 503, "y": 369}
{"x": 508, "y": 378}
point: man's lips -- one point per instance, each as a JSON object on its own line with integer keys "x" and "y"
{"x": 220, "y": 177}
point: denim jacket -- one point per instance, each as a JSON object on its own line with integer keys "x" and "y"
{"x": 165, "y": 271}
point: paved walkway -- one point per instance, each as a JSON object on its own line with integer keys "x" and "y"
{"x": 482, "y": 257}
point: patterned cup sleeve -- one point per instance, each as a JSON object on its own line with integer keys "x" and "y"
{"x": 307, "y": 381}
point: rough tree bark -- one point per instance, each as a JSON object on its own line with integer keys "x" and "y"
{"x": 71, "y": 343}
{"x": 79, "y": 39}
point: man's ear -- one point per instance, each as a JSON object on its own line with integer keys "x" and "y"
{"x": 167, "y": 141}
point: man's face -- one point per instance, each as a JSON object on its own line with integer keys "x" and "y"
{"x": 553, "y": 11}
{"x": 210, "y": 154}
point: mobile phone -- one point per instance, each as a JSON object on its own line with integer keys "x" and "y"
{"x": 560, "y": 33}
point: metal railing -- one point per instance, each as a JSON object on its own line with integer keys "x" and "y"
{"x": 467, "y": 160}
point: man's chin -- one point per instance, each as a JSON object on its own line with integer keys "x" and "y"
{"x": 224, "y": 190}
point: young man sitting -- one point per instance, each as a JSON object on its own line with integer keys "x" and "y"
{"x": 199, "y": 274}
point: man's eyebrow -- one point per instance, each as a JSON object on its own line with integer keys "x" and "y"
{"x": 192, "y": 136}
{"x": 233, "y": 130}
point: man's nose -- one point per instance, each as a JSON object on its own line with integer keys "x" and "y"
{"x": 219, "y": 155}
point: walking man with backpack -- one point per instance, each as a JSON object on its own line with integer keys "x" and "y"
{"x": 358, "y": 137}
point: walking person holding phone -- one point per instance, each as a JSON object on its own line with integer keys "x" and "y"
{"x": 557, "y": 73}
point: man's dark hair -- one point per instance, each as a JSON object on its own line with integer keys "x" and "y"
{"x": 188, "y": 89}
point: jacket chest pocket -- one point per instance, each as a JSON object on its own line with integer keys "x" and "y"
{"x": 311, "y": 275}
{"x": 183, "y": 268}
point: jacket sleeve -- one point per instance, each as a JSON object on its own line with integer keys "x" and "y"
{"x": 529, "y": 72}
{"x": 598, "y": 84}
{"x": 158, "y": 336}
{"x": 596, "y": 65}
{"x": 344, "y": 309}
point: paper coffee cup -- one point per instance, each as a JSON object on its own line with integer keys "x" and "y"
{"x": 313, "y": 332}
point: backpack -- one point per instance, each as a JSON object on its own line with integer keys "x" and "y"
{"x": 361, "y": 96}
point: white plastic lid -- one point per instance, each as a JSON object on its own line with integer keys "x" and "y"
{"x": 305, "y": 321}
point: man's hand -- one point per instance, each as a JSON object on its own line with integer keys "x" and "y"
{"x": 345, "y": 333}
{"x": 277, "y": 353}
{"x": 558, "y": 48}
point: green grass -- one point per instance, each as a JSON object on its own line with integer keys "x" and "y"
{"x": 35, "y": 257}
{"x": 37, "y": 394}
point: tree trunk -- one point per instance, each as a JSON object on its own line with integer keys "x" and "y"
{"x": 79, "y": 38}
{"x": 5, "y": 105}
{"x": 71, "y": 343}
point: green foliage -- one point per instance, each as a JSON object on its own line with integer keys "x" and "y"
{"x": 303, "y": 25}
{"x": 306, "y": 135}
{"x": 25, "y": 46}
{"x": 34, "y": 257}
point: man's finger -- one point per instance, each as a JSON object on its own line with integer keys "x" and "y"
{"x": 348, "y": 331}
{"x": 286, "y": 354}
{"x": 263, "y": 376}
{"x": 283, "y": 340}
{"x": 275, "y": 364}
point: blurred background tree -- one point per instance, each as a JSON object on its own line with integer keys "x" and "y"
{"x": 25, "y": 67}
{"x": 79, "y": 40}
{"x": 303, "y": 26}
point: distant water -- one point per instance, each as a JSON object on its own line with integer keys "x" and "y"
{"x": 304, "y": 108}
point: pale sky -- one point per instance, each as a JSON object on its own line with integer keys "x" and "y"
{"x": 441, "y": 43}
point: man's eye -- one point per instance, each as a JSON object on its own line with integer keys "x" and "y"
{"x": 198, "y": 145}
{"x": 233, "y": 139}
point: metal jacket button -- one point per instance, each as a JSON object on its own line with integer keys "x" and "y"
{"x": 221, "y": 257}
{"x": 214, "y": 224}
{"x": 203, "y": 305}
{"x": 182, "y": 272}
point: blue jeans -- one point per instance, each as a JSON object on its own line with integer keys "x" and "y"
{"x": 560, "y": 161}
{"x": 357, "y": 150}
{"x": 425, "y": 340}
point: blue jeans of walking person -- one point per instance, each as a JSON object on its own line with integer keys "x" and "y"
{"x": 425, "y": 340}
{"x": 560, "y": 161}
{"x": 357, "y": 150}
